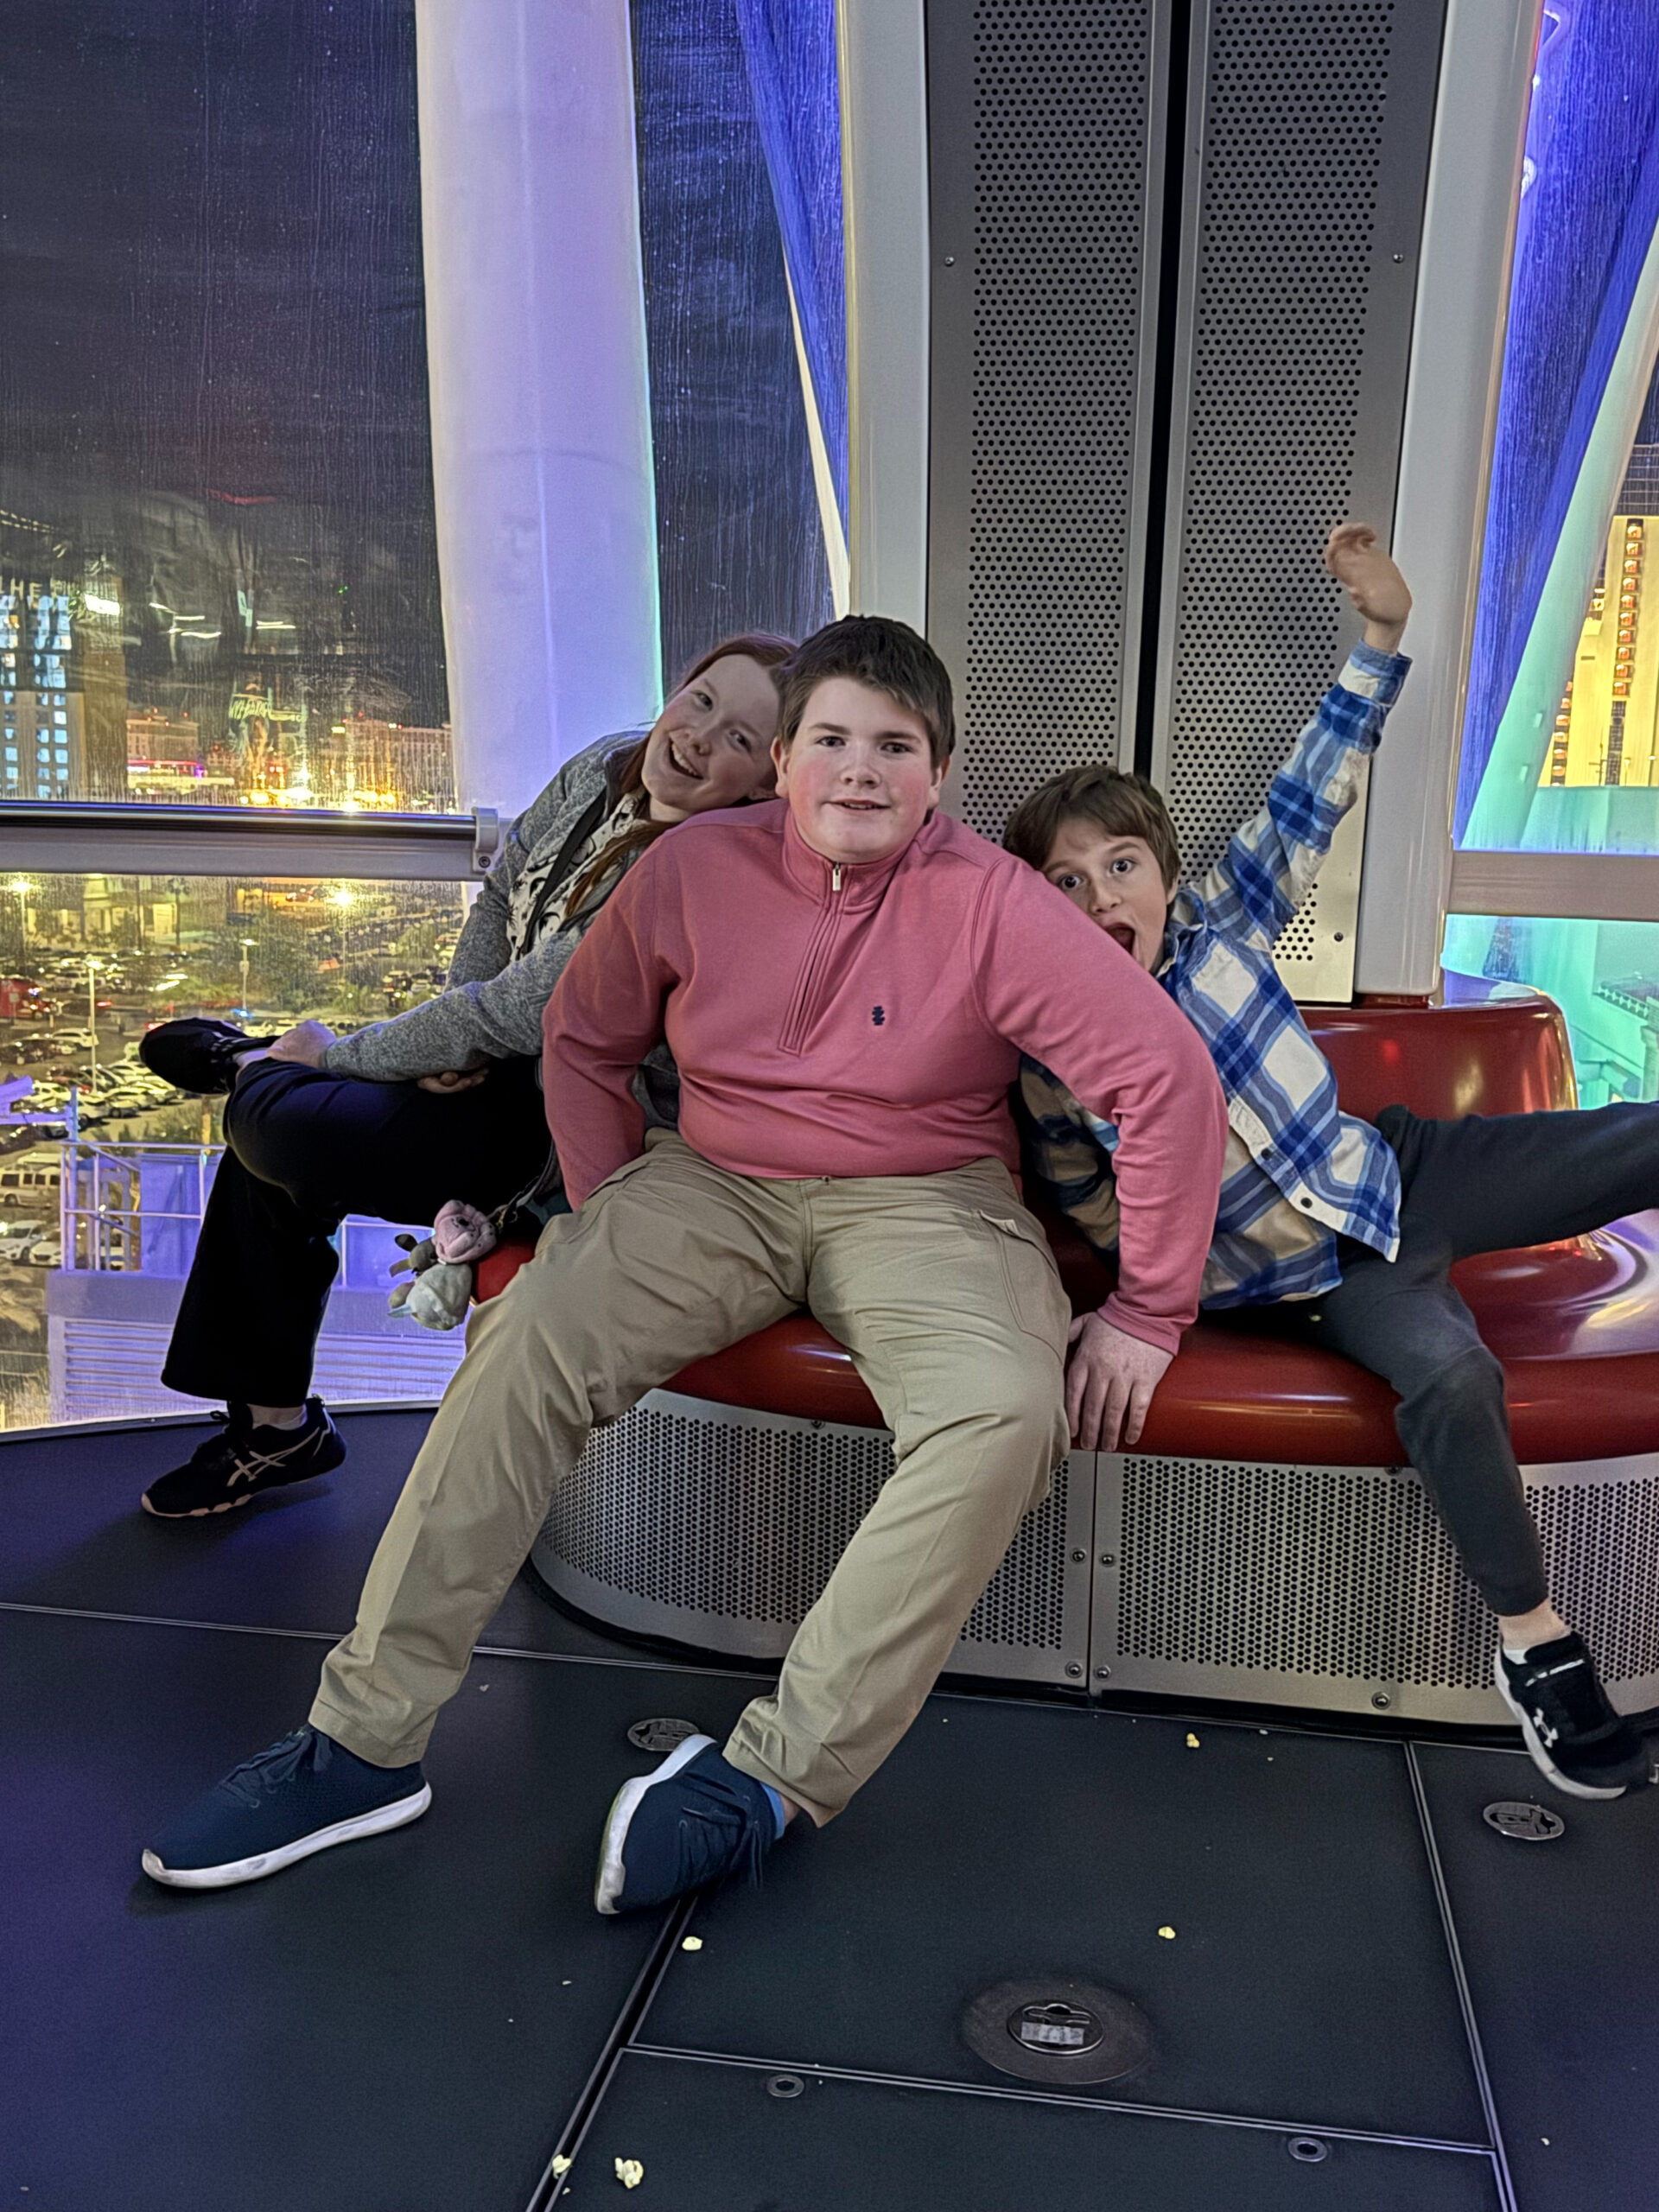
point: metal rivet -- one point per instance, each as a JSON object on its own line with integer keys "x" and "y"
{"x": 1336, "y": 937}
{"x": 1524, "y": 1821}
{"x": 1072, "y": 1667}
{"x": 949, "y": 260}
{"x": 784, "y": 2085}
{"x": 1398, "y": 256}
{"x": 1308, "y": 2150}
{"x": 1381, "y": 1700}
{"x": 1077, "y": 1558}
{"x": 660, "y": 1737}
{"x": 1109, "y": 1559}
{"x": 1104, "y": 1674}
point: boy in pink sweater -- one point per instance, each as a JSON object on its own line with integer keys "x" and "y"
{"x": 847, "y": 980}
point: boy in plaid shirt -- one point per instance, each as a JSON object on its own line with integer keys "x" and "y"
{"x": 1351, "y": 1229}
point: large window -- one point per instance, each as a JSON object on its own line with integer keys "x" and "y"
{"x": 102, "y": 1185}
{"x": 1560, "y": 769}
{"x": 227, "y": 781}
{"x": 218, "y": 568}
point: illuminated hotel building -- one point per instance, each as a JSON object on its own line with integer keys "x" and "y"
{"x": 1607, "y": 726}
{"x": 41, "y": 728}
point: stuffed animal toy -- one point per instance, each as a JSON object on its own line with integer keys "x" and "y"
{"x": 440, "y": 1267}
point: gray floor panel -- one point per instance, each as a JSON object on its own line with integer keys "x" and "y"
{"x": 1561, "y": 1944}
{"x": 1306, "y": 1979}
{"x": 715, "y": 2138}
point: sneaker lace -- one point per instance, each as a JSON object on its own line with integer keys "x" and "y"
{"x": 276, "y": 1764}
{"x": 722, "y": 1835}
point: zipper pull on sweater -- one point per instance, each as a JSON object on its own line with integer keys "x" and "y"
{"x": 834, "y": 877}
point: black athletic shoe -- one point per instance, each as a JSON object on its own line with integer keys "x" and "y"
{"x": 234, "y": 1466}
{"x": 1574, "y": 1735}
{"x": 200, "y": 1056}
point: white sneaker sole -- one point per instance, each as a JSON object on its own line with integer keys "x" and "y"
{"x": 396, "y": 1816}
{"x": 1540, "y": 1758}
{"x": 608, "y": 1886}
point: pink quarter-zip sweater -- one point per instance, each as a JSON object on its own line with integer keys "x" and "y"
{"x": 868, "y": 1020}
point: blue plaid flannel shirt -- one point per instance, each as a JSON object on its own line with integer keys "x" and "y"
{"x": 1299, "y": 1171}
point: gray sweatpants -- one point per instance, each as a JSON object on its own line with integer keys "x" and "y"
{"x": 1478, "y": 1184}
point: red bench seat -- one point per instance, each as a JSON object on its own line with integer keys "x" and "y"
{"x": 1576, "y": 1325}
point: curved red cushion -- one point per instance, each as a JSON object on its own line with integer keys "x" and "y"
{"x": 1504, "y": 1056}
{"x": 1576, "y": 1325}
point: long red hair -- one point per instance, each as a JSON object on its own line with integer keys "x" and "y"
{"x": 765, "y": 646}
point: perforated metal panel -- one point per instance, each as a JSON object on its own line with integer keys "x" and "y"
{"x": 719, "y": 1528}
{"x": 1335, "y": 1587}
{"x": 1042, "y": 129}
{"x": 1306, "y": 158}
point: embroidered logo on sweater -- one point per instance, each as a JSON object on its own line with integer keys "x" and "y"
{"x": 878, "y": 1015}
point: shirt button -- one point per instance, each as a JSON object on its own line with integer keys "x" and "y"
{"x": 1305, "y": 1203}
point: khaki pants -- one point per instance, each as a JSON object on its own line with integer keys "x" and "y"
{"x": 942, "y": 1289}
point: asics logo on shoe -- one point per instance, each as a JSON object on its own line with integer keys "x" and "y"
{"x": 250, "y": 1468}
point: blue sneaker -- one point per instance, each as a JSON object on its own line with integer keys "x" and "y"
{"x": 302, "y": 1794}
{"x": 694, "y": 1820}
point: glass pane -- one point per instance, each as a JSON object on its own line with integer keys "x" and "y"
{"x": 101, "y": 1195}
{"x": 1561, "y": 749}
{"x": 218, "y": 561}
{"x": 1603, "y": 976}
{"x": 741, "y": 531}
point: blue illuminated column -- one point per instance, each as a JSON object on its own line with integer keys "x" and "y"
{"x": 536, "y": 344}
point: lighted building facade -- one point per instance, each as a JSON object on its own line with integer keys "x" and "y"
{"x": 1607, "y": 726}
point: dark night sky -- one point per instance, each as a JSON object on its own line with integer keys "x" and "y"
{"x": 213, "y": 367}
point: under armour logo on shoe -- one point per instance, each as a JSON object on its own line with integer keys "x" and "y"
{"x": 1547, "y": 1735}
{"x": 878, "y": 1015}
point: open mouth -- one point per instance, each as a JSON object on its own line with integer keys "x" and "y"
{"x": 1123, "y": 933}
{"x": 681, "y": 765}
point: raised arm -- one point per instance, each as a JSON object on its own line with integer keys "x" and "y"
{"x": 1271, "y": 864}
{"x": 601, "y": 1022}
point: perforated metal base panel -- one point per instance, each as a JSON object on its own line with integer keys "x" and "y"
{"x": 1338, "y": 1587}
{"x": 718, "y": 1528}
{"x": 1043, "y": 153}
{"x": 1297, "y": 279}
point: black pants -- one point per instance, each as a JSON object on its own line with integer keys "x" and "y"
{"x": 1478, "y": 1184}
{"x": 302, "y": 1150}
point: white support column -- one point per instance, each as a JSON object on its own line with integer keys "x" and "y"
{"x": 883, "y": 61}
{"x": 1440, "y": 506}
{"x": 541, "y": 420}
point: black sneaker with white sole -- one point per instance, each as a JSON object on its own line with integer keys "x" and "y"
{"x": 197, "y": 1054}
{"x": 233, "y": 1467}
{"x": 303, "y": 1794}
{"x": 1574, "y": 1735}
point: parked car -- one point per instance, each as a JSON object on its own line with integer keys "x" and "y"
{"x": 48, "y": 1252}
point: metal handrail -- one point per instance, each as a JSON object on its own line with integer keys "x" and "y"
{"x": 97, "y": 837}
{"x": 101, "y": 1219}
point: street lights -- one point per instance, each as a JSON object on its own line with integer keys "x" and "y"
{"x": 343, "y": 901}
{"x": 247, "y": 946}
{"x": 92, "y": 966}
{"x": 22, "y": 887}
